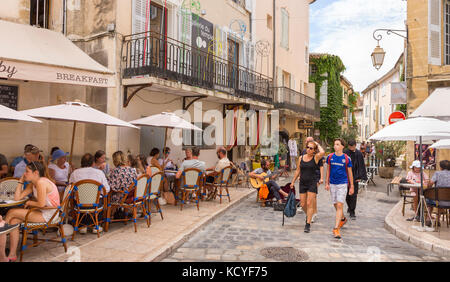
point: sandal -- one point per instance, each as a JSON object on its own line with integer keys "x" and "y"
{"x": 14, "y": 259}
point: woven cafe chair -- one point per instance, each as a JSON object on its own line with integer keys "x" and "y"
{"x": 192, "y": 184}
{"x": 139, "y": 192}
{"x": 87, "y": 202}
{"x": 56, "y": 221}
{"x": 155, "y": 186}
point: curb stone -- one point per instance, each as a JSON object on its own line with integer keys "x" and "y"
{"x": 411, "y": 238}
{"x": 179, "y": 241}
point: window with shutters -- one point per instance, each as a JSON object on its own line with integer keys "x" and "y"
{"x": 39, "y": 13}
{"x": 284, "y": 28}
{"x": 434, "y": 32}
{"x": 447, "y": 32}
{"x": 366, "y": 111}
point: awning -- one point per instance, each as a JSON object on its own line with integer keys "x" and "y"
{"x": 436, "y": 105}
{"x": 37, "y": 54}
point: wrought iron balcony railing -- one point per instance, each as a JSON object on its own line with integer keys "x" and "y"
{"x": 286, "y": 98}
{"x": 159, "y": 56}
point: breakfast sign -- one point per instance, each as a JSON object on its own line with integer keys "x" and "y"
{"x": 53, "y": 74}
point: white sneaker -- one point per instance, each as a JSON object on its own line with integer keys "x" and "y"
{"x": 82, "y": 230}
{"x": 314, "y": 218}
{"x": 299, "y": 209}
{"x": 100, "y": 229}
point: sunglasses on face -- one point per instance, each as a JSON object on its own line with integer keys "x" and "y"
{"x": 311, "y": 148}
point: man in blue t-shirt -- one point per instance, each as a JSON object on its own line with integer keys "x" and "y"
{"x": 339, "y": 177}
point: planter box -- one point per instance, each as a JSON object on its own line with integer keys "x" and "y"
{"x": 386, "y": 172}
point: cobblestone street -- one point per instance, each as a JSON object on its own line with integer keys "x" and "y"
{"x": 241, "y": 233}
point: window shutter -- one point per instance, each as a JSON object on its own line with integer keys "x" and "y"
{"x": 434, "y": 32}
{"x": 139, "y": 14}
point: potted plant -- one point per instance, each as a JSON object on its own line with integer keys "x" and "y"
{"x": 388, "y": 152}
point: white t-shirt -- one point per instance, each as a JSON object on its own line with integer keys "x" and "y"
{"x": 61, "y": 175}
{"x": 222, "y": 163}
{"x": 91, "y": 173}
{"x": 193, "y": 164}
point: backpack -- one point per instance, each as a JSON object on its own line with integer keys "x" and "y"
{"x": 291, "y": 206}
{"x": 346, "y": 164}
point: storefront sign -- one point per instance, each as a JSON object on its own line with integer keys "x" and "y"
{"x": 305, "y": 124}
{"x": 202, "y": 33}
{"x": 398, "y": 93}
{"x": 8, "y": 96}
{"x": 45, "y": 73}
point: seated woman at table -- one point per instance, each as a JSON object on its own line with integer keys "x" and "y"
{"x": 45, "y": 195}
{"x": 59, "y": 170}
{"x": 100, "y": 162}
{"x": 121, "y": 177}
{"x": 152, "y": 160}
{"x": 413, "y": 177}
{"x": 135, "y": 163}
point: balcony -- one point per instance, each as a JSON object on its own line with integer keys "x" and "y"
{"x": 286, "y": 98}
{"x": 162, "y": 57}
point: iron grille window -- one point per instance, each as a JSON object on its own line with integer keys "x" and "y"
{"x": 39, "y": 13}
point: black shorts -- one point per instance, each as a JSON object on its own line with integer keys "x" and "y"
{"x": 311, "y": 188}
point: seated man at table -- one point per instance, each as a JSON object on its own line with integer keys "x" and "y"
{"x": 88, "y": 171}
{"x": 31, "y": 154}
{"x": 192, "y": 163}
{"x": 221, "y": 164}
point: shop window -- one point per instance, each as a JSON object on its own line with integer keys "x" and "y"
{"x": 39, "y": 13}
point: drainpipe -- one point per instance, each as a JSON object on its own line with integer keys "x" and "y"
{"x": 274, "y": 42}
{"x": 64, "y": 29}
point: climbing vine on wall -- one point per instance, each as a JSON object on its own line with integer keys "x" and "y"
{"x": 329, "y": 116}
{"x": 352, "y": 102}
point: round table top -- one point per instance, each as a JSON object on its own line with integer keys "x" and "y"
{"x": 170, "y": 171}
{"x": 409, "y": 185}
{"x": 11, "y": 203}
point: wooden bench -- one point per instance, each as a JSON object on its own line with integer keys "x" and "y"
{"x": 395, "y": 181}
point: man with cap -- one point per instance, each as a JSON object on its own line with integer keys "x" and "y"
{"x": 31, "y": 154}
{"x": 59, "y": 169}
{"x": 359, "y": 173}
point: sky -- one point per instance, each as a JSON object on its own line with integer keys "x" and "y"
{"x": 345, "y": 28}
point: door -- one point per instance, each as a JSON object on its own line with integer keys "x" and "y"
{"x": 233, "y": 63}
{"x": 151, "y": 137}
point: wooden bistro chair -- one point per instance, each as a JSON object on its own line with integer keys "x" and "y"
{"x": 221, "y": 182}
{"x": 154, "y": 193}
{"x": 139, "y": 190}
{"x": 86, "y": 194}
{"x": 56, "y": 221}
{"x": 408, "y": 199}
{"x": 439, "y": 198}
{"x": 193, "y": 182}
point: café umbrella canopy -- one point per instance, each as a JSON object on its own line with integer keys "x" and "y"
{"x": 417, "y": 129}
{"x": 10, "y": 114}
{"x": 441, "y": 144}
{"x": 166, "y": 120}
{"x": 76, "y": 112}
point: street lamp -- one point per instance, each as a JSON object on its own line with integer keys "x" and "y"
{"x": 378, "y": 53}
{"x": 378, "y": 56}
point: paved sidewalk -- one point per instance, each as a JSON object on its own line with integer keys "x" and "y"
{"x": 122, "y": 244}
{"x": 242, "y": 232}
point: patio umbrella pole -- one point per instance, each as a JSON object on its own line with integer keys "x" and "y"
{"x": 165, "y": 142}
{"x": 73, "y": 140}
